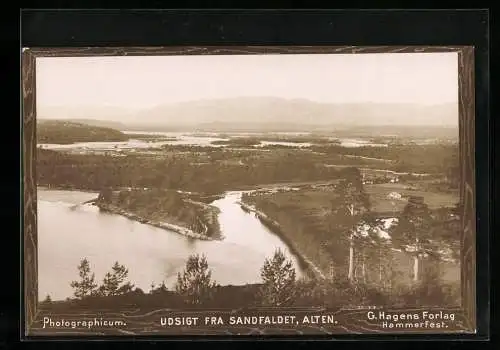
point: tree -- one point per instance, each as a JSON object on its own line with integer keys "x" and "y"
{"x": 365, "y": 235}
{"x": 47, "y": 299}
{"x": 114, "y": 281}
{"x": 162, "y": 288}
{"x": 353, "y": 202}
{"x": 278, "y": 276}
{"x": 105, "y": 195}
{"x": 430, "y": 289}
{"x": 86, "y": 286}
{"x": 413, "y": 230}
{"x": 138, "y": 291}
{"x": 375, "y": 263}
{"x": 195, "y": 284}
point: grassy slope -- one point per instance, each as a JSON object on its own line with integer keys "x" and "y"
{"x": 301, "y": 217}
{"x": 378, "y": 197}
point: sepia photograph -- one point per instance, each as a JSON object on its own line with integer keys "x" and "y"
{"x": 233, "y": 192}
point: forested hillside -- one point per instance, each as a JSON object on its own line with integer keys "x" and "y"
{"x": 63, "y": 132}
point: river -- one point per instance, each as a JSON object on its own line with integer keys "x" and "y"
{"x": 69, "y": 231}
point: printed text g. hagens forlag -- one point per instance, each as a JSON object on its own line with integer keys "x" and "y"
{"x": 421, "y": 315}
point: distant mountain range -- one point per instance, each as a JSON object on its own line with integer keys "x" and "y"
{"x": 264, "y": 113}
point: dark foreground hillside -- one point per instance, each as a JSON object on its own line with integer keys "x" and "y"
{"x": 306, "y": 294}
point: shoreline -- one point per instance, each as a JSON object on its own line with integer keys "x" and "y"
{"x": 159, "y": 224}
{"x": 277, "y": 230}
{"x": 273, "y": 226}
{"x": 118, "y": 211}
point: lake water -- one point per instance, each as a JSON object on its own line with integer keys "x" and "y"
{"x": 69, "y": 231}
{"x": 354, "y": 143}
{"x": 188, "y": 139}
{"x": 181, "y": 140}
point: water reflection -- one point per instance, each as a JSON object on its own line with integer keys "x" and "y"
{"x": 68, "y": 233}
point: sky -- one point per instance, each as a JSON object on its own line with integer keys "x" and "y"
{"x": 141, "y": 82}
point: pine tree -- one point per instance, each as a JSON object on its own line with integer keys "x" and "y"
{"x": 114, "y": 281}
{"x": 278, "y": 276}
{"x": 366, "y": 238}
{"x": 47, "y": 299}
{"x": 86, "y": 286}
{"x": 376, "y": 257}
{"x": 413, "y": 230}
{"x": 353, "y": 202}
{"x": 195, "y": 284}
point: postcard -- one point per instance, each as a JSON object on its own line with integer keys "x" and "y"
{"x": 249, "y": 191}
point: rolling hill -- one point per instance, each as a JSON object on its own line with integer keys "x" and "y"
{"x": 100, "y": 123}
{"x": 65, "y": 132}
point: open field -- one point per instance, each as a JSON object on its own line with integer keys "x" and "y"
{"x": 381, "y": 201}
